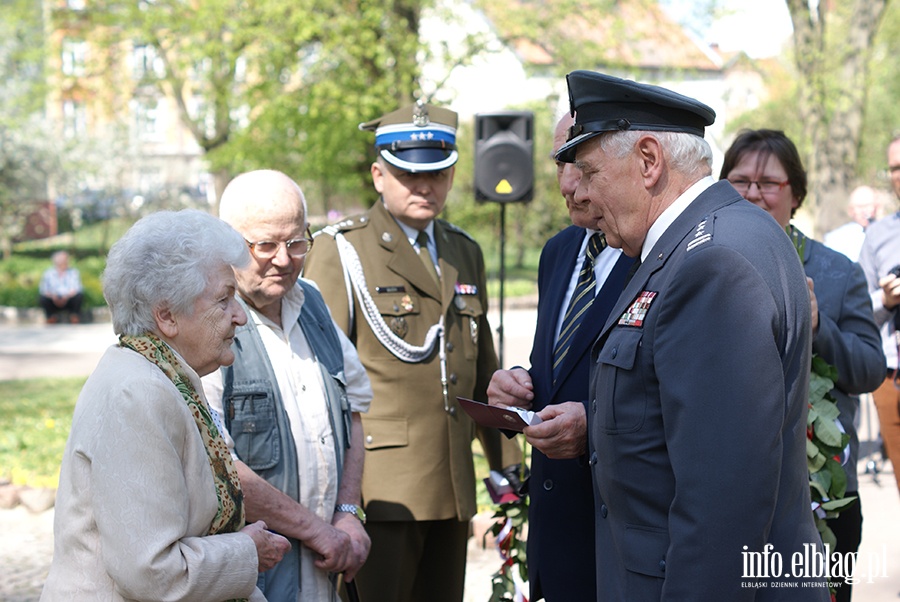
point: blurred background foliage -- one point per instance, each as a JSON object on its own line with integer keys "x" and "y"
{"x": 284, "y": 84}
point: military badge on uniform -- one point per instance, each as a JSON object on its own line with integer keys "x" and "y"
{"x": 635, "y": 314}
{"x": 399, "y": 326}
{"x": 407, "y": 303}
{"x": 473, "y": 330}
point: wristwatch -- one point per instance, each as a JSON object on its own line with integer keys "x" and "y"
{"x": 353, "y": 509}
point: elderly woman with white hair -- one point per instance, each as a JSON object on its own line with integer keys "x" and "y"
{"x": 149, "y": 505}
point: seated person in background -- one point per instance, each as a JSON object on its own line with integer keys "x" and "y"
{"x": 150, "y": 505}
{"x": 765, "y": 167}
{"x": 60, "y": 290}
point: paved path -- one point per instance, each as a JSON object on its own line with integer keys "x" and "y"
{"x": 26, "y": 541}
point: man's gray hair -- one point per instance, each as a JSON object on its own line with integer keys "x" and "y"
{"x": 686, "y": 153}
{"x": 165, "y": 261}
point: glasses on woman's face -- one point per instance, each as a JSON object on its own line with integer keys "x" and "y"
{"x": 742, "y": 185}
{"x": 267, "y": 249}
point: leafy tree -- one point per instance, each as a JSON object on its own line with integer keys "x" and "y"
{"x": 277, "y": 83}
{"x": 22, "y": 160}
{"x": 832, "y": 48}
{"x": 882, "y": 119}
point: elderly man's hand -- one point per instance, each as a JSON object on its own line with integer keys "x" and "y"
{"x": 563, "y": 431}
{"x": 333, "y": 546}
{"x": 511, "y": 388}
{"x": 270, "y": 547}
{"x": 359, "y": 541}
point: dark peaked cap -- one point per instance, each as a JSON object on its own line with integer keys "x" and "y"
{"x": 603, "y": 103}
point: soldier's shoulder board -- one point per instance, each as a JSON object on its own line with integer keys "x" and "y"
{"x": 345, "y": 225}
{"x": 456, "y": 229}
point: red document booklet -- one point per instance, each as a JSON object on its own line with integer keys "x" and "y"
{"x": 514, "y": 419}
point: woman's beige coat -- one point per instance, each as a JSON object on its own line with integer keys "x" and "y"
{"x": 136, "y": 498}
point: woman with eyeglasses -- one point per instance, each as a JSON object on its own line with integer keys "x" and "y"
{"x": 765, "y": 167}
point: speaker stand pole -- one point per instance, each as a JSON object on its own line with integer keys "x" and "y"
{"x": 502, "y": 281}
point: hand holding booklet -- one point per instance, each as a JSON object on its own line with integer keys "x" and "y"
{"x": 511, "y": 418}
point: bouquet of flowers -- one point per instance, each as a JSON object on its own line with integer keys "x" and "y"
{"x": 825, "y": 443}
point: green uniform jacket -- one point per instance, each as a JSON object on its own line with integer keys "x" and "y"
{"x": 418, "y": 456}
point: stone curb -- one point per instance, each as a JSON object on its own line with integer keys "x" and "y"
{"x": 36, "y": 500}
{"x": 34, "y": 315}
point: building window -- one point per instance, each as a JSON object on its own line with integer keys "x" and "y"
{"x": 145, "y": 62}
{"x": 146, "y": 118}
{"x": 74, "y": 119}
{"x": 74, "y": 57}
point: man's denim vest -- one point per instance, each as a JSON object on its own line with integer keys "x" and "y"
{"x": 258, "y": 423}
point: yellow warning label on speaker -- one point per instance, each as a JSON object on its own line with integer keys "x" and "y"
{"x": 503, "y": 187}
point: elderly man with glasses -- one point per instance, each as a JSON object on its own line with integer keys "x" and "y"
{"x": 291, "y": 401}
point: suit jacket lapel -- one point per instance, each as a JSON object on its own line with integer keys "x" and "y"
{"x": 593, "y": 321}
{"x": 558, "y": 284}
{"x": 404, "y": 261}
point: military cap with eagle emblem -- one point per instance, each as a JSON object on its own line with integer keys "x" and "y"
{"x": 419, "y": 137}
{"x": 603, "y": 103}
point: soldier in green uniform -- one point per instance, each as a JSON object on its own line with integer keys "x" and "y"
{"x": 409, "y": 291}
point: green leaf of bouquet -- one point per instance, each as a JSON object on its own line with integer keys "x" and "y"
{"x": 826, "y": 409}
{"x": 826, "y": 533}
{"x": 821, "y": 368}
{"x": 823, "y": 478}
{"x": 828, "y": 432}
{"x": 817, "y": 491}
{"x": 812, "y": 450}
{"x": 815, "y": 464}
{"x": 838, "y": 479}
{"x": 838, "y": 504}
{"x": 818, "y": 387}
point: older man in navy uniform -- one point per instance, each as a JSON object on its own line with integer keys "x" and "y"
{"x": 698, "y": 416}
{"x": 409, "y": 291}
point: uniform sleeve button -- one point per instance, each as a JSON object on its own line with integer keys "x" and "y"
{"x": 593, "y": 460}
{"x": 368, "y": 438}
{"x": 604, "y": 510}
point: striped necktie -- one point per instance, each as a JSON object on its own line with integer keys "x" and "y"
{"x": 581, "y": 300}
{"x": 425, "y": 256}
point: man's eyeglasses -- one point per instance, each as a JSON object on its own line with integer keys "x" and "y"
{"x": 764, "y": 187}
{"x": 296, "y": 247}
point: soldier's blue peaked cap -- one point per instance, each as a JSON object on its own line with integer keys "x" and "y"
{"x": 603, "y": 103}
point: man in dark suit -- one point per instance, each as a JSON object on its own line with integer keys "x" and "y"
{"x": 561, "y": 555}
{"x": 701, "y": 373}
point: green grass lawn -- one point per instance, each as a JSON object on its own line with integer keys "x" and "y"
{"x": 35, "y": 417}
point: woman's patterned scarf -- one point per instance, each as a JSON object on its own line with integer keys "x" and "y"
{"x": 230, "y": 517}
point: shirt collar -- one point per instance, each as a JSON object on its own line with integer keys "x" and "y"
{"x": 668, "y": 217}
{"x": 412, "y": 234}
{"x": 291, "y": 304}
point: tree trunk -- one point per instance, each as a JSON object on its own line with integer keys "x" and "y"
{"x": 832, "y": 99}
